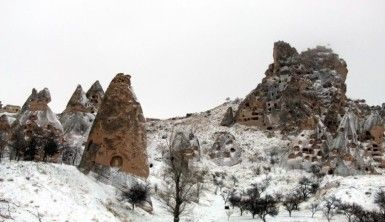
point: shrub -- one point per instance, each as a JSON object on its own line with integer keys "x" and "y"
{"x": 137, "y": 194}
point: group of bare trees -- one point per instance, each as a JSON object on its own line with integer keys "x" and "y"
{"x": 39, "y": 145}
{"x": 254, "y": 201}
{"x": 305, "y": 188}
{"x": 354, "y": 212}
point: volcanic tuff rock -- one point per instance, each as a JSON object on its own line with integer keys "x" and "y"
{"x": 95, "y": 96}
{"x": 37, "y": 134}
{"x": 36, "y": 109}
{"x": 228, "y": 118}
{"x": 77, "y": 121}
{"x": 225, "y": 151}
{"x": 297, "y": 89}
{"x": 5, "y": 131}
{"x": 76, "y": 118}
{"x": 303, "y": 94}
{"x": 118, "y": 136}
{"x": 187, "y": 144}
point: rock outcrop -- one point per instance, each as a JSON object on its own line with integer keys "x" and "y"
{"x": 304, "y": 95}
{"x": 5, "y": 132}
{"x": 298, "y": 90}
{"x": 77, "y": 120}
{"x": 225, "y": 150}
{"x": 95, "y": 96}
{"x": 187, "y": 144}
{"x": 118, "y": 137}
{"x": 228, "y": 118}
{"x": 37, "y": 134}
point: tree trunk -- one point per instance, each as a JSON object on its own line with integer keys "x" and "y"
{"x": 178, "y": 200}
{"x": 289, "y": 213}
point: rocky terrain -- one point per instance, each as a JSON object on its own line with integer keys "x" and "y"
{"x": 298, "y": 122}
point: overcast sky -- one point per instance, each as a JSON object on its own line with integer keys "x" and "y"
{"x": 184, "y": 56}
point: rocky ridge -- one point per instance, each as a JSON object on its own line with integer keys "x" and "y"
{"x": 304, "y": 95}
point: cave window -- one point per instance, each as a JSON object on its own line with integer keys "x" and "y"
{"x": 232, "y": 150}
{"x": 116, "y": 161}
{"x": 89, "y": 145}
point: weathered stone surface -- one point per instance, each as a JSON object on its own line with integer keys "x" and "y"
{"x": 77, "y": 102}
{"x": 77, "y": 120}
{"x": 37, "y": 134}
{"x": 187, "y": 144}
{"x": 228, "y": 118}
{"x": 5, "y": 132}
{"x": 118, "y": 136}
{"x": 304, "y": 95}
{"x": 36, "y": 109}
{"x": 95, "y": 96}
{"x": 297, "y": 90}
{"x": 225, "y": 150}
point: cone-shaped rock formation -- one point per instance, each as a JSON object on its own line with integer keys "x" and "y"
{"x": 118, "y": 136}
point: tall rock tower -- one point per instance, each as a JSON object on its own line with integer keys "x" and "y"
{"x": 118, "y": 136}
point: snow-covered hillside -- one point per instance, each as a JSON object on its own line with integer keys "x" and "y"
{"x": 51, "y": 192}
{"x": 31, "y": 191}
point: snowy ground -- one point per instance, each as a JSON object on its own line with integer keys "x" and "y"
{"x": 52, "y": 192}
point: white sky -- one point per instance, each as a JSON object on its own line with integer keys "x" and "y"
{"x": 184, "y": 56}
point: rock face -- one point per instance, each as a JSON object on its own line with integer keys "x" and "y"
{"x": 37, "y": 134}
{"x": 77, "y": 120}
{"x": 303, "y": 95}
{"x": 5, "y": 132}
{"x": 95, "y": 96}
{"x": 187, "y": 144}
{"x": 225, "y": 151}
{"x": 228, "y": 119}
{"x": 118, "y": 137}
{"x": 297, "y": 88}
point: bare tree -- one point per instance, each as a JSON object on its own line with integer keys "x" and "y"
{"x": 314, "y": 207}
{"x": 200, "y": 181}
{"x": 265, "y": 206}
{"x": 347, "y": 210}
{"x": 234, "y": 179}
{"x": 307, "y": 187}
{"x": 330, "y": 207}
{"x": 379, "y": 199}
{"x": 258, "y": 205}
{"x": 292, "y": 201}
{"x": 181, "y": 179}
{"x": 226, "y": 194}
{"x": 218, "y": 180}
{"x": 137, "y": 194}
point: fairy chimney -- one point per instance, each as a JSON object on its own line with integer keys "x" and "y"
{"x": 94, "y": 95}
{"x": 118, "y": 136}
